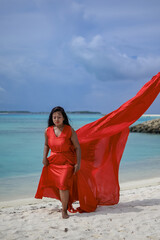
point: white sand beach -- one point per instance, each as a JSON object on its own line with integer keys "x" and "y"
{"x": 137, "y": 216}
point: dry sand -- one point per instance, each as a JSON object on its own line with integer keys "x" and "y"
{"x": 137, "y": 216}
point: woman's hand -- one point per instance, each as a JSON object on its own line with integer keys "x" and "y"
{"x": 76, "y": 168}
{"x": 45, "y": 162}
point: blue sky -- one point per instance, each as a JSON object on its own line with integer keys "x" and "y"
{"x": 82, "y": 55}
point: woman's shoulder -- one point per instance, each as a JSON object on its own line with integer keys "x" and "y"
{"x": 68, "y": 130}
{"x": 47, "y": 130}
{"x": 67, "y": 126}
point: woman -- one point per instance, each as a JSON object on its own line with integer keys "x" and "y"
{"x": 57, "y": 174}
{"x": 102, "y": 144}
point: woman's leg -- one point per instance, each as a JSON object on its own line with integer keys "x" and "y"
{"x": 64, "y": 196}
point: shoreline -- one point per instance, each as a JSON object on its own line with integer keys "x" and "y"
{"x": 25, "y": 186}
{"x": 124, "y": 186}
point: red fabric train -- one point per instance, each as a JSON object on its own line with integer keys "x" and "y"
{"x": 102, "y": 144}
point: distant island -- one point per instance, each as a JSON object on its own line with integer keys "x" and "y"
{"x": 28, "y": 112}
{"x": 86, "y": 112}
{"x": 15, "y": 112}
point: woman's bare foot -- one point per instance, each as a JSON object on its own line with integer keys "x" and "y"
{"x": 65, "y": 214}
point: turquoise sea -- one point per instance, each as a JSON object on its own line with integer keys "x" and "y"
{"x": 21, "y": 151}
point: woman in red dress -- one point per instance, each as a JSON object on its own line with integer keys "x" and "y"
{"x": 64, "y": 159}
{"x": 102, "y": 143}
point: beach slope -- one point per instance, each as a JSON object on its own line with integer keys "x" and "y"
{"x": 137, "y": 216}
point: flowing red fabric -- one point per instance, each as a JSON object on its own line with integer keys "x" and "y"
{"x": 102, "y": 144}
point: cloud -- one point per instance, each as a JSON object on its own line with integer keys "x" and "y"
{"x": 109, "y": 64}
{"x": 87, "y": 48}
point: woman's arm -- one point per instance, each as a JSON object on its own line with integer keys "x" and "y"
{"x": 76, "y": 144}
{"x": 46, "y": 149}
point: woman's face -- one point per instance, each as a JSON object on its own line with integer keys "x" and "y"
{"x": 57, "y": 118}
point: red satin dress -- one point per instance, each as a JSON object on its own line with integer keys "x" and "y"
{"x": 59, "y": 173}
{"x": 102, "y": 144}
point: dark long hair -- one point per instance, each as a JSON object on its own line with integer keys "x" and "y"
{"x": 58, "y": 109}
